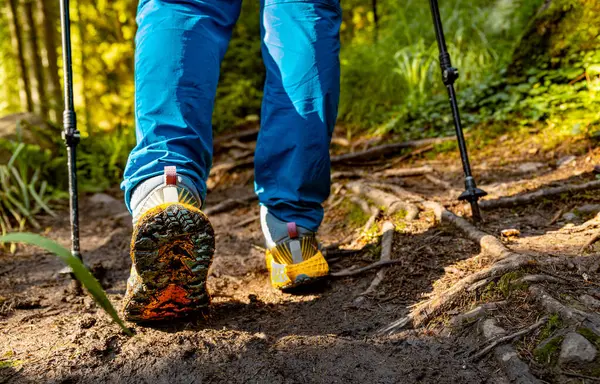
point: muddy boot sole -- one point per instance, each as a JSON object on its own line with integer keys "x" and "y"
{"x": 171, "y": 250}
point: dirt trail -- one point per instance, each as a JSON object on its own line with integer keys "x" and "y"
{"x": 254, "y": 334}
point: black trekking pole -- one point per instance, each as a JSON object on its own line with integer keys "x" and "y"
{"x": 70, "y": 133}
{"x": 449, "y": 76}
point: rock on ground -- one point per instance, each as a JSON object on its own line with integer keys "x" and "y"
{"x": 576, "y": 349}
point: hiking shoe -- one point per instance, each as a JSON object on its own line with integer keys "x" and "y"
{"x": 171, "y": 250}
{"x": 294, "y": 259}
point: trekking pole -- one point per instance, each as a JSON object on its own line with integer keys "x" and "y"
{"x": 449, "y": 76}
{"x": 70, "y": 133}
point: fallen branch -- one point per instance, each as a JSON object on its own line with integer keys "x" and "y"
{"x": 511, "y": 337}
{"x": 378, "y": 264}
{"x": 386, "y": 253}
{"x": 230, "y": 204}
{"x": 386, "y": 149}
{"x": 527, "y": 198}
{"x": 389, "y": 202}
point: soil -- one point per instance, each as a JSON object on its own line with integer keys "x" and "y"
{"x": 253, "y": 334}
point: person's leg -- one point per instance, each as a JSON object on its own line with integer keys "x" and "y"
{"x": 300, "y": 45}
{"x": 301, "y": 54}
{"x": 179, "y": 48}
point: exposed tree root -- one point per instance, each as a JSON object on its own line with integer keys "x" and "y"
{"x": 364, "y": 206}
{"x": 348, "y": 175}
{"x": 508, "y": 261}
{"x": 441, "y": 183}
{"x": 397, "y": 172}
{"x": 515, "y": 369}
{"x": 527, "y": 198}
{"x": 398, "y": 191}
{"x": 537, "y": 279}
{"x": 230, "y": 204}
{"x": 590, "y": 242}
{"x": 488, "y": 243}
{"x": 378, "y": 264}
{"x": 386, "y": 254}
{"x": 386, "y": 149}
{"x": 236, "y": 144}
{"x": 568, "y": 314}
{"x": 405, "y": 172}
{"x": 245, "y": 135}
{"x": 424, "y": 312}
{"x": 510, "y": 337}
{"x": 388, "y": 201}
{"x": 249, "y": 220}
{"x": 580, "y": 376}
{"x": 416, "y": 152}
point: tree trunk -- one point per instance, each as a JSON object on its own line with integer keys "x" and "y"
{"x": 84, "y": 72}
{"x": 558, "y": 36}
{"x": 49, "y": 17}
{"x": 36, "y": 60}
{"x": 17, "y": 42}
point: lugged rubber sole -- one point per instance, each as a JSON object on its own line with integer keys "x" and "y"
{"x": 171, "y": 251}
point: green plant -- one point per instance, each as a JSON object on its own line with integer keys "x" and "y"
{"x": 23, "y": 195}
{"x": 79, "y": 270}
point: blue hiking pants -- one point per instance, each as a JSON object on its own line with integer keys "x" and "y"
{"x": 179, "y": 48}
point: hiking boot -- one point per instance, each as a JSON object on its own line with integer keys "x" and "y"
{"x": 293, "y": 258}
{"x": 171, "y": 250}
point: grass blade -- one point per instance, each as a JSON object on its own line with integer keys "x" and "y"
{"x": 24, "y": 195}
{"x": 16, "y": 153}
{"x": 79, "y": 270}
{"x": 40, "y": 202}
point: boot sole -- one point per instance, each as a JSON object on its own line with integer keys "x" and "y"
{"x": 171, "y": 250}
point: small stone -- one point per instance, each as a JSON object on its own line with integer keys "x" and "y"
{"x": 570, "y": 216}
{"x": 564, "y": 161}
{"x": 102, "y": 198}
{"x": 106, "y": 205}
{"x": 588, "y": 209}
{"x": 576, "y": 349}
{"x": 468, "y": 317}
{"x": 589, "y": 301}
{"x": 530, "y": 167}
{"x": 490, "y": 330}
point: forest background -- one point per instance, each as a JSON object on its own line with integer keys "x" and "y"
{"x": 508, "y": 81}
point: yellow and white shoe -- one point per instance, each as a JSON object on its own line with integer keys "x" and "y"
{"x": 171, "y": 250}
{"x": 294, "y": 259}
